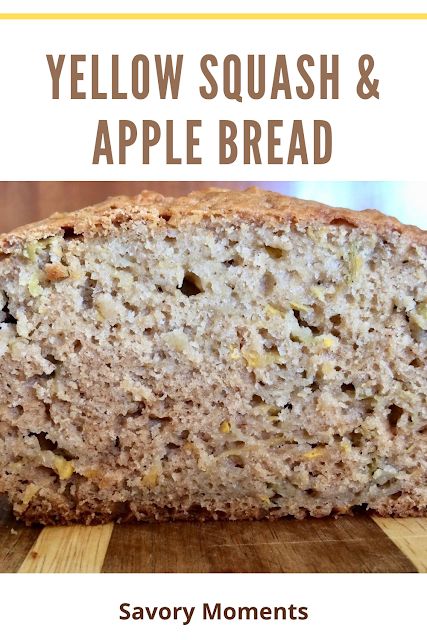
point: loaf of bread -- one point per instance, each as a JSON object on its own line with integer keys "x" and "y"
{"x": 220, "y": 355}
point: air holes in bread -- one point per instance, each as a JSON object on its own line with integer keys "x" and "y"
{"x": 191, "y": 285}
{"x": 393, "y": 417}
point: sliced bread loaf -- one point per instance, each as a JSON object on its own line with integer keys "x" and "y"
{"x": 220, "y": 355}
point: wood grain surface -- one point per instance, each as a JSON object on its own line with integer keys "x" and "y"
{"x": 76, "y": 549}
{"x": 330, "y": 545}
{"x": 410, "y": 535}
{"x": 345, "y": 544}
{"x": 350, "y": 544}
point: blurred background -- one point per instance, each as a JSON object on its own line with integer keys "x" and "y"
{"x": 22, "y": 202}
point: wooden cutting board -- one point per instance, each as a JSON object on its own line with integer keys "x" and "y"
{"x": 346, "y": 544}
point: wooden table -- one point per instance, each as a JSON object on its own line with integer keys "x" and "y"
{"x": 354, "y": 544}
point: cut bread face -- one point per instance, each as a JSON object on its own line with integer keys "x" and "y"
{"x": 224, "y": 355}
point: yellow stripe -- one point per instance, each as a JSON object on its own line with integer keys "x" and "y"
{"x": 76, "y": 549}
{"x": 410, "y": 535}
{"x": 213, "y": 16}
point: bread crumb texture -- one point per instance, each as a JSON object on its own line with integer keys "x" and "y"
{"x": 222, "y": 355}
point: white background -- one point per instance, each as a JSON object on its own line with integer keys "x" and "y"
{"x": 154, "y": 6}
{"x": 340, "y": 606}
{"x": 43, "y": 139}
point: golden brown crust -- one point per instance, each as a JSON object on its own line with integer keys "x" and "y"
{"x": 253, "y": 204}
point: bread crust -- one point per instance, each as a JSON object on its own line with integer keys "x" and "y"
{"x": 42, "y": 513}
{"x": 253, "y": 205}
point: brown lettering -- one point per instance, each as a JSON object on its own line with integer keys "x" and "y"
{"x": 55, "y": 72}
{"x": 251, "y": 138}
{"x": 115, "y": 93}
{"x": 329, "y": 76}
{"x": 169, "y": 76}
{"x": 102, "y": 143}
{"x": 127, "y": 137}
{"x": 192, "y": 142}
{"x": 297, "y": 144}
{"x": 170, "y": 159}
{"x": 140, "y": 70}
{"x": 281, "y": 79}
{"x": 227, "y": 145}
{"x": 232, "y": 80}
{"x": 303, "y": 61}
{"x": 208, "y": 59}
{"x": 258, "y": 93}
{"x": 96, "y": 93}
{"x": 150, "y": 137}
{"x": 76, "y": 76}
{"x": 319, "y": 156}
{"x": 273, "y": 141}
